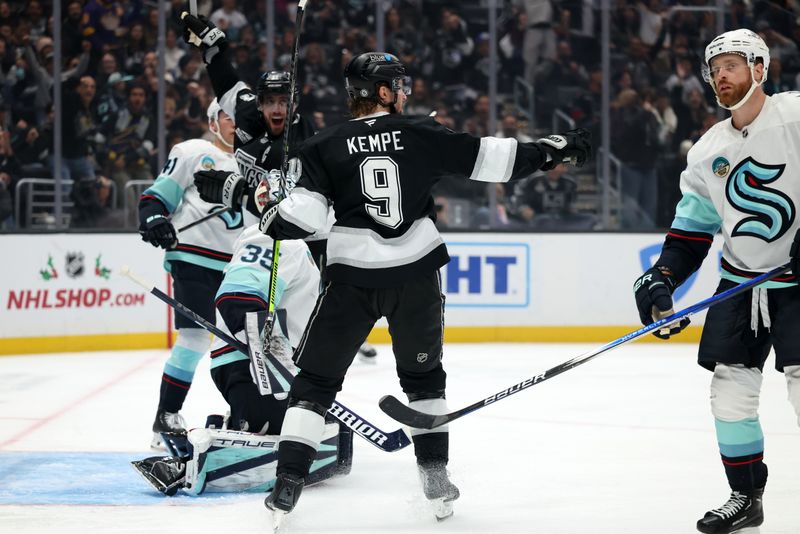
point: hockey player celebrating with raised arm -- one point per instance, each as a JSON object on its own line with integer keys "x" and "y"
{"x": 384, "y": 255}
{"x": 260, "y": 123}
{"x": 196, "y": 260}
{"x": 743, "y": 178}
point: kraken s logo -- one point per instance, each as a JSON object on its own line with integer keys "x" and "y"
{"x": 232, "y": 220}
{"x": 772, "y": 212}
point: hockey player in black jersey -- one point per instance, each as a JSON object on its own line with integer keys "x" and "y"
{"x": 384, "y": 255}
{"x": 260, "y": 118}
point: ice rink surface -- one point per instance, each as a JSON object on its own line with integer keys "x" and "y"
{"x": 623, "y": 444}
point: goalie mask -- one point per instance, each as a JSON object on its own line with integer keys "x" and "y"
{"x": 744, "y": 43}
{"x": 366, "y": 72}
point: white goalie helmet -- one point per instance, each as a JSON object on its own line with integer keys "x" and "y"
{"x": 745, "y": 43}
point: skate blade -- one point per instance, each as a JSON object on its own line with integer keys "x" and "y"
{"x": 277, "y": 518}
{"x": 442, "y": 508}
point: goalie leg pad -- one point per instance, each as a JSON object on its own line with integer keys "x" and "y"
{"x": 231, "y": 461}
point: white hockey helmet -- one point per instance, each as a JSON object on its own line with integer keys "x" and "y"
{"x": 213, "y": 117}
{"x": 213, "y": 110}
{"x": 745, "y": 43}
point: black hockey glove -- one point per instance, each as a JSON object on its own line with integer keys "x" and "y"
{"x": 573, "y": 147}
{"x": 159, "y": 232}
{"x": 653, "y": 291}
{"x": 221, "y": 187}
{"x": 202, "y": 33}
{"x": 794, "y": 254}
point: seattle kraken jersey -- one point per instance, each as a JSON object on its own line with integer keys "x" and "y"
{"x": 246, "y": 284}
{"x": 746, "y": 183}
{"x": 378, "y": 171}
{"x": 258, "y": 152}
{"x": 208, "y": 244}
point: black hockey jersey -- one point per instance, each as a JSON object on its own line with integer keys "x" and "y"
{"x": 378, "y": 171}
{"x": 257, "y": 152}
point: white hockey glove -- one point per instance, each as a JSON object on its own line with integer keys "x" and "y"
{"x": 573, "y": 147}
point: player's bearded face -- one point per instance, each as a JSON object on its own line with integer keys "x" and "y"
{"x": 274, "y": 108}
{"x": 732, "y": 80}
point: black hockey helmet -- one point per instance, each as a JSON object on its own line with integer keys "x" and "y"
{"x": 273, "y": 82}
{"x": 364, "y": 72}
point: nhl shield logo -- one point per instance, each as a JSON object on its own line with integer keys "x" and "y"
{"x": 422, "y": 357}
{"x": 74, "y": 264}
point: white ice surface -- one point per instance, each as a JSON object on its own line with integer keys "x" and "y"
{"x": 623, "y": 444}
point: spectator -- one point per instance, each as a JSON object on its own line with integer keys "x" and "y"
{"x": 173, "y": 52}
{"x": 634, "y": 140}
{"x": 9, "y": 175}
{"x": 113, "y": 98}
{"x": 774, "y": 83}
{"x": 452, "y": 47}
{"x": 7, "y": 17}
{"x": 102, "y": 24}
{"x": 36, "y": 20}
{"x": 229, "y": 19}
{"x": 71, "y": 31}
{"x": 509, "y": 127}
{"x": 420, "y": 101}
{"x": 31, "y": 144}
{"x": 81, "y": 129}
{"x": 135, "y": 49}
{"x": 540, "y": 38}
{"x": 546, "y": 202}
{"x": 478, "y": 123}
{"x": 131, "y": 139}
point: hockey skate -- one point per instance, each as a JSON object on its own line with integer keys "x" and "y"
{"x": 742, "y": 510}
{"x": 439, "y": 490}
{"x": 283, "y": 497}
{"x": 166, "y": 423}
{"x": 164, "y": 473}
{"x": 367, "y": 352}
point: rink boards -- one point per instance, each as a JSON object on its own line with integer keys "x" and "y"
{"x": 64, "y": 292}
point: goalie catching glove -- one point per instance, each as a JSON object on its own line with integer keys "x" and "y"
{"x": 653, "y": 291}
{"x": 573, "y": 147}
{"x": 202, "y": 33}
{"x": 221, "y": 187}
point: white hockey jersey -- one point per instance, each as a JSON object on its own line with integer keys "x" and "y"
{"x": 746, "y": 183}
{"x": 245, "y": 287}
{"x": 209, "y": 244}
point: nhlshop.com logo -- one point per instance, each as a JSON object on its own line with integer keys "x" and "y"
{"x": 487, "y": 275}
{"x": 85, "y": 297}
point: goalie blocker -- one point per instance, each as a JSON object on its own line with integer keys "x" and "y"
{"x": 232, "y": 461}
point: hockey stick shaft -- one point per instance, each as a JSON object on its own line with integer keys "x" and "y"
{"x": 386, "y": 441}
{"x": 203, "y": 219}
{"x": 276, "y": 245}
{"x": 193, "y": 7}
{"x": 416, "y": 419}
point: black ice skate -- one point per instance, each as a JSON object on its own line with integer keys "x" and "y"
{"x": 439, "y": 490}
{"x": 741, "y": 511}
{"x": 284, "y": 497}
{"x": 167, "y": 423}
{"x": 164, "y": 473}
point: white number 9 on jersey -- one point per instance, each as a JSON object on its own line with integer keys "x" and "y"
{"x": 380, "y": 183}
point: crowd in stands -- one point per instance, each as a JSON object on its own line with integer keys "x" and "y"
{"x": 109, "y": 76}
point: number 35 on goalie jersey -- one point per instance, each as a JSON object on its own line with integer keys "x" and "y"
{"x": 378, "y": 171}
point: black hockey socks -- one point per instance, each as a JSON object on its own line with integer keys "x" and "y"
{"x": 172, "y": 394}
{"x": 746, "y": 473}
{"x": 432, "y": 449}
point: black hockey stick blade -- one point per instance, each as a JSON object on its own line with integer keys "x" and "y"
{"x": 416, "y": 419}
{"x": 398, "y": 411}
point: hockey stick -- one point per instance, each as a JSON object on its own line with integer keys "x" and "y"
{"x": 416, "y": 419}
{"x": 203, "y": 219}
{"x": 386, "y": 441}
{"x": 269, "y": 324}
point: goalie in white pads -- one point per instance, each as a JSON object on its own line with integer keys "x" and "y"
{"x": 242, "y": 456}
{"x": 195, "y": 260}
